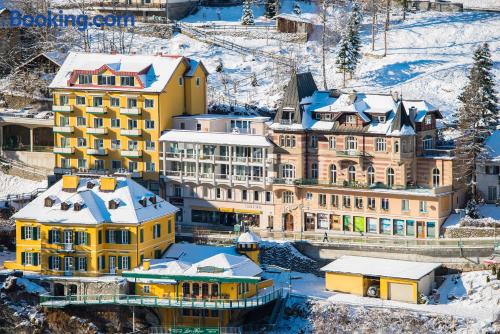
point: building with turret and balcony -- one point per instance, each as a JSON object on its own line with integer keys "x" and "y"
{"x": 356, "y": 162}
{"x": 110, "y": 111}
{"x": 218, "y": 170}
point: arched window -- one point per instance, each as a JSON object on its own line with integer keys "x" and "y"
{"x": 390, "y": 177}
{"x": 436, "y": 177}
{"x": 427, "y": 142}
{"x": 351, "y": 143}
{"x": 314, "y": 170}
{"x": 352, "y": 174}
{"x": 287, "y": 197}
{"x": 288, "y": 171}
{"x": 333, "y": 174}
{"x": 371, "y": 175}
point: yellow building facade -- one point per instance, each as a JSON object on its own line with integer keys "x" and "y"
{"x": 92, "y": 227}
{"x": 111, "y": 109}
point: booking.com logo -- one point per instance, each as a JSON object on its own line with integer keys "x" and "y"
{"x": 81, "y": 22}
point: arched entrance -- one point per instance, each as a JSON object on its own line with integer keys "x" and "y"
{"x": 288, "y": 221}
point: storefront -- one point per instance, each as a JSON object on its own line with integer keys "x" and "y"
{"x": 226, "y": 216}
{"x": 385, "y": 226}
{"x": 323, "y": 221}
{"x": 399, "y": 227}
{"x": 372, "y": 224}
{"x": 359, "y": 224}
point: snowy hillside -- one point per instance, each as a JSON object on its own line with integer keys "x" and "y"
{"x": 12, "y": 185}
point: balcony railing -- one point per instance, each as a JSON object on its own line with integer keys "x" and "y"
{"x": 97, "y": 151}
{"x": 218, "y": 158}
{"x": 63, "y": 129}
{"x": 130, "y": 111}
{"x": 96, "y": 110}
{"x": 66, "y": 247}
{"x": 64, "y": 150}
{"x": 218, "y": 177}
{"x": 131, "y": 132}
{"x": 153, "y": 301}
{"x": 97, "y": 131}
{"x": 439, "y": 152}
{"x": 352, "y": 153}
{"x": 64, "y": 109}
{"x": 132, "y": 153}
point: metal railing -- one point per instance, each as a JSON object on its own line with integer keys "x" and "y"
{"x": 153, "y": 301}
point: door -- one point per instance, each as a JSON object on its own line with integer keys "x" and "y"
{"x": 401, "y": 292}
{"x": 309, "y": 222}
{"x": 68, "y": 264}
{"x": 112, "y": 264}
{"x": 420, "y": 229}
{"x": 347, "y": 223}
{"x": 288, "y": 222}
{"x": 335, "y": 223}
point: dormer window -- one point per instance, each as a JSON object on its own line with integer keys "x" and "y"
{"x": 381, "y": 119}
{"x": 49, "y": 201}
{"x": 428, "y": 120}
{"x": 106, "y": 80}
{"x": 78, "y": 206}
{"x": 317, "y": 116}
{"x": 328, "y": 117}
{"x": 152, "y": 199}
{"x": 65, "y": 206}
{"x": 85, "y": 79}
{"x": 113, "y": 204}
{"x": 90, "y": 185}
{"x": 127, "y": 81}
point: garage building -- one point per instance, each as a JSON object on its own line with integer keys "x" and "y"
{"x": 395, "y": 279}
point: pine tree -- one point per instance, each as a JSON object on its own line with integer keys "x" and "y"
{"x": 271, "y": 8}
{"x": 296, "y": 9}
{"x": 350, "y": 45}
{"x": 247, "y": 16}
{"x": 477, "y": 116}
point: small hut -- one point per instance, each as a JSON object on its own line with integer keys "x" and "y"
{"x": 295, "y": 24}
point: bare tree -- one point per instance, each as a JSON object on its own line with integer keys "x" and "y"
{"x": 325, "y": 11}
{"x": 386, "y": 25}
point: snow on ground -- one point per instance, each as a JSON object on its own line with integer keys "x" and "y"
{"x": 486, "y": 211}
{"x": 13, "y": 185}
{"x": 483, "y": 4}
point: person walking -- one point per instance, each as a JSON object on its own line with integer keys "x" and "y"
{"x": 325, "y": 237}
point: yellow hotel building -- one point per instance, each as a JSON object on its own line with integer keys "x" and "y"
{"x": 111, "y": 109}
{"x": 92, "y": 227}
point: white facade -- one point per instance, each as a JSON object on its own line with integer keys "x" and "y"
{"x": 488, "y": 170}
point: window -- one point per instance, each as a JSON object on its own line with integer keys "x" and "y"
{"x": 218, "y": 193}
{"x": 381, "y": 119}
{"x": 97, "y": 101}
{"x": 115, "y": 144}
{"x": 81, "y": 121}
{"x": 63, "y": 121}
{"x": 141, "y": 235}
{"x": 371, "y": 203}
{"x": 428, "y": 120}
{"x": 106, "y": 80}
{"x": 81, "y": 263}
{"x": 322, "y": 200}
{"x": 99, "y": 143}
{"x": 358, "y": 202}
{"x": 198, "y": 81}
{"x": 384, "y": 203}
{"x": 132, "y": 124}
{"x": 149, "y": 124}
{"x": 333, "y": 174}
{"x": 82, "y": 163}
{"x": 116, "y": 164}
{"x": 352, "y": 174}
{"x": 371, "y": 175}
{"x": 98, "y": 123}
{"x": 156, "y": 231}
{"x": 150, "y": 145}
{"x": 133, "y": 145}
{"x": 115, "y": 102}
{"x": 492, "y": 170}
{"x": 65, "y": 163}
{"x": 115, "y": 123}
{"x": 150, "y": 166}
{"x": 492, "y": 193}
{"x": 396, "y": 146}
{"x": 350, "y": 119}
{"x": 256, "y": 196}
{"x": 125, "y": 263}
{"x": 390, "y": 177}
{"x": 288, "y": 171}
{"x": 81, "y": 142}
{"x": 427, "y": 142}
{"x": 133, "y": 166}
{"x": 288, "y": 197}
{"x": 317, "y": 116}
{"x": 80, "y": 100}
{"x": 127, "y": 81}
{"x": 314, "y": 142}
{"x": 423, "y": 207}
{"x": 436, "y": 177}
{"x": 85, "y": 79}
{"x": 405, "y": 205}
{"x": 181, "y": 81}
{"x": 314, "y": 171}
{"x": 268, "y": 196}
{"x": 244, "y": 195}
{"x": 351, "y": 143}
{"x": 229, "y": 194}
{"x": 287, "y": 141}
{"x": 131, "y": 103}
{"x": 198, "y": 127}
{"x": 149, "y": 103}
{"x": 346, "y": 201}
{"x": 334, "y": 201}
{"x": 30, "y": 258}
{"x": 146, "y": 289}
{"x": 381, "y": 145}
{"x": 332, "y": 143}
{"x": 63, "y": 100}
{"x": 309, "y": 196}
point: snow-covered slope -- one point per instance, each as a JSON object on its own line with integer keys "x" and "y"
{"x": 12, "y": 185}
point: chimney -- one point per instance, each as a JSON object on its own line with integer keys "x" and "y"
{"x": 113, "y": 204}
{"x": 146, "y": 264}
{"x": 65, "y": 206}
{"x": 90, "y": 185}
{"x": 153, "y": 199}
{"x": 49, "y": 201}
{"x": 352, "y": 97}
{"x": 412, "y": 113}
{"x": 77, "y": 206}
{"x": 70, "y": 183}
{"x": 143, "y": 201}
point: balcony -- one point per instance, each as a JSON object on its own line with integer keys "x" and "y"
{"x": 352, "y": 153}
{"x": 96, "y": 110}
{"x": 62, "y": 109}
{"x": 63, "y": 129}
{"x": 97, "y": 151}
{"x": 131, "y": 132}
{"x": 64, "y": 150}
{"x": 130, "y": 111}
{"x": 97, "y": 131}
{"x": 132, "y": 153}
{"x": 66, "y": 247}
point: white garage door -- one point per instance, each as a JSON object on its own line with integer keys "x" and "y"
{"x": 401, "y": 292}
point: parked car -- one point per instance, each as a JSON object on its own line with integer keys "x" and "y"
{"x": 373, "y": 291}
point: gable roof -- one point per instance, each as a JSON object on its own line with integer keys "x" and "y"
{"x": 95, "y": 204}
{"x": 55, "y": 57}
{"x": 154, "y": 72}
{"x": 370, "y": 266}
{"x": 401, "y": 123}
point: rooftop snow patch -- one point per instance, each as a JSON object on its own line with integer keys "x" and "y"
{"x": 369, "y": 266}
{"x": 185, "y": 136}
{"x": 192, "y": 253}
{"x": 249, "y": 237}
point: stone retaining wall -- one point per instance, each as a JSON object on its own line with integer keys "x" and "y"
{"x": 471, "y": 232}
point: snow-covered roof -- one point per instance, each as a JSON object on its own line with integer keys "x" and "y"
{"x": 95, "y": 208}
{"x": 224, "y": 116}
{"x": 154, "y": 71}
{"x": 215, "y": 138}
{"x": 370, "y": 266}
{"x": 248, "y": 237}
{"x": 293, "y": 17}
{"x": 492, "y": 146}
{"x": 184, "y": 259}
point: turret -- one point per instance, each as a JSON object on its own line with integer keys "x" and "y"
{"x": 248, "y": 244}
